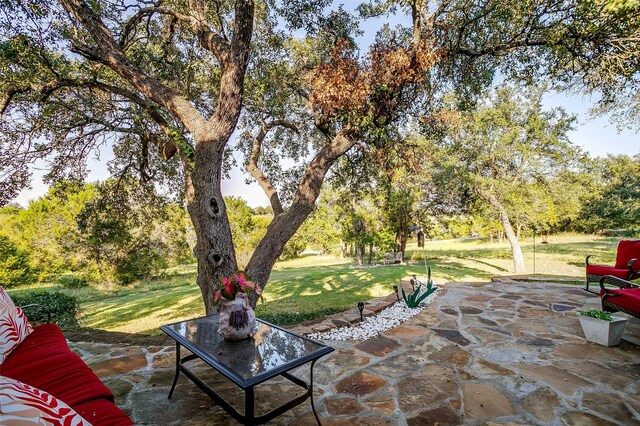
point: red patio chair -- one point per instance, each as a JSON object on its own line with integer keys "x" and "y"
{"x": 627, "y": 265}
{"x": 624, "y": 299}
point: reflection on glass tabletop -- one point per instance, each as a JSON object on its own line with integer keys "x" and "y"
{"x": 271, "y": 350}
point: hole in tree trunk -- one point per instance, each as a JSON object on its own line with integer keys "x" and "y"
{"x": 214, "y": 208}
{"x": 215, "y": 259}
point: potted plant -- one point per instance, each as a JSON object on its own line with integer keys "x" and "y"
{"x": 601, "y": 327}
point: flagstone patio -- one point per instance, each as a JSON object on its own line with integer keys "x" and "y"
{"x": 482, "y": 353}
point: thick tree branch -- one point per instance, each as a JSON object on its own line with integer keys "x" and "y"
{"x": 168, "y": 149}
{"x": 209, "y": 39}
{"x": 6, "y": 97}
{"x": 227, "y": 111}
{"x": 284, "y": 226}
{"x": 257, "y": 173}
{"x": 109, "y": 53}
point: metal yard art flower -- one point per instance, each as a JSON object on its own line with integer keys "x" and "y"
{"x": 232, "y": 285}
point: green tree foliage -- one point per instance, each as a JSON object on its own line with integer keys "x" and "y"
{"x": 122, "y": 231}
{"x": 94, "y": 233}
{"x": 47, "y": 229}
{"x": 14, "y": 265}
{"x": 616, "y": 202}
{"x": 509, "y": 153}
{"x": 247, "y": 229}
{"x": 321, "y": 230}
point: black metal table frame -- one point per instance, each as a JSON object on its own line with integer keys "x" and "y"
{"x": 249, "y": 417}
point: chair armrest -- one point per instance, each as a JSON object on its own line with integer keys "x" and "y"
{"x": 36, "y": 305}
{"x": 631, "y": 262}
{"x": 587, "y": 259}
{"x": 610, "y": 279}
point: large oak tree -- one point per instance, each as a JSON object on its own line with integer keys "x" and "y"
{"x": 163, "y": 83}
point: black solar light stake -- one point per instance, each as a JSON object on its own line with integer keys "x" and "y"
{"x": 395, "y": 288}
{"x": 361, "y": 308}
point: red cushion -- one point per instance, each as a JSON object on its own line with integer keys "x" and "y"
{"x": 627, "y": 298}
{"x": 608, "y": 270}
{"x": 46, "y": 340}
{"x": 102, "y": 412}
{"x": 64, "y": 376}
{"x": 627, "y": 250}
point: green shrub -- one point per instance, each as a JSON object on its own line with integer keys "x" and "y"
{"x": 73, "y": 281}
{"x": 64, "y": 308}
{"x": 14, "y": 265}
{"x": 139, "y": 263}
{"x": 294, "y": 247}
{"x": 289, "y": 318}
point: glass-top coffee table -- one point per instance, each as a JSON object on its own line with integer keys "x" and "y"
{"x": 271, "y": 352}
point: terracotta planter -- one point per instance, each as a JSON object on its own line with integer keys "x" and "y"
{"x": 607, "y": 333}
{"x": 237, "y": 319}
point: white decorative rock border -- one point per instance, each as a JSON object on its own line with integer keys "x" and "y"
{"x": 377, "y": 324}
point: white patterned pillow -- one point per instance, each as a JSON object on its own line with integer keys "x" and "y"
{"x": 14, "y": 327}
{"x": 21, "y": 404}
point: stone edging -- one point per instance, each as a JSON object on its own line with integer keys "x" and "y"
{"x": 350, "y": 317}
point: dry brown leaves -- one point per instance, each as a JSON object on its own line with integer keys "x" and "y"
{"x": 344, "y": 85}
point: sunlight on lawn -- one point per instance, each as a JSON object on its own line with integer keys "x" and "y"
{"x": 314, "y": 286}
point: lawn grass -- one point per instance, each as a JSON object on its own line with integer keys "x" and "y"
{"x": 315, "y": 286}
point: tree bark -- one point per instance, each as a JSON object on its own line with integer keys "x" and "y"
{"x": 401, "y": 240}
{"x": 214, "y": 247}
{"x": 360, "y": 254}
{"x": 516, "y": 251}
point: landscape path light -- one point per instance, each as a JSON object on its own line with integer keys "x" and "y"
{"x": 361, "y": 308}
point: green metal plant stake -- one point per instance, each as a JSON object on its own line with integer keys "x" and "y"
{"x": 414, "y": 299}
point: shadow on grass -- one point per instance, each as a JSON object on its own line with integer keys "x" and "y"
{"x": 298, "y": 292}
{"x": 499, "y": 268}
{"x": 313, "y": 292}
{"x": 113, "y": 312}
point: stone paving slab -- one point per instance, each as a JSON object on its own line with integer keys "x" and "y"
{"x": 498, "y": 353}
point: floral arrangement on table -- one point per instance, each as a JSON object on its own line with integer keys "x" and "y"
{"x": 232, "y": 285}
{"x": 237, "y": 318}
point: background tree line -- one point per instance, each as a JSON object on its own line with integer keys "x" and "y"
{"x": 90, "y": 234}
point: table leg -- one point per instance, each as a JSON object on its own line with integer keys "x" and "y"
{"x": 313, "y": 406}
{"x": 249, "y": 406}
{"x": 175, "y": 379}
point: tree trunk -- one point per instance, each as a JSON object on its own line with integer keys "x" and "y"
{"x": 360, "y": 254}
{"x": 516, "y": 251}
{"x": 370, "y": 253}
{"x": 214, "y": 248}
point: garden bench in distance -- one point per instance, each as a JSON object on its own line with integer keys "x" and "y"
{"x": 395, "y": 257}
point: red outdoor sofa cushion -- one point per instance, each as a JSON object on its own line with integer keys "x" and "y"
{"x": 623, "y": 299}
{"x": 627, "y": 266}
{"x": 626, "y": 298}
{"x": 44, "y": 360}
